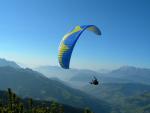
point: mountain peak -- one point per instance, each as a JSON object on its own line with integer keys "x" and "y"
{"x": 126, "y": 67}
{"x": 4, "y": 62}
{"x": 132, "y": 68}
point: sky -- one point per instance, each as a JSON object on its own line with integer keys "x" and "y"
{"x": 31, "y": 31}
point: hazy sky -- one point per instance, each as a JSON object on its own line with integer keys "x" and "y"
{"x": 31, "y": 30}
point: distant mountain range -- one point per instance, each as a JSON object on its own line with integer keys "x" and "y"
{"x": 131, "y": 74}
{"x": 55, "y": 71}
{"x": 74, "y": 77}
{"x": 117, "y": 93}
{"x": 63, "y": 74}
{"x": 123, "y": 88}
{"x": 125, "y": 74}
{"x": 29, "y": 83}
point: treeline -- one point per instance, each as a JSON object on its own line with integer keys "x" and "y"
{"x": 14, "y": 104}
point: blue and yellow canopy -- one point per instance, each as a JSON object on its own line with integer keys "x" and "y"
{"x": 68, "y": 42}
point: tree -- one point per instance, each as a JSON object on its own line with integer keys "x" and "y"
{"x": 30, "y": 105}
{"x": 61, "y": 109}
{"x": 54, "y": 107}
{"x": 10, "y": 98}
{"x": 87, "y": 110}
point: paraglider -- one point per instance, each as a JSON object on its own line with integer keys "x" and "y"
{"x": 94, "y": 81}
{"x": 68, "y": 42}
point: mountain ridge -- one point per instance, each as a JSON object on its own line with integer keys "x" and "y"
{"x": 4, "y": 62}
{"x": 27, "y": 83}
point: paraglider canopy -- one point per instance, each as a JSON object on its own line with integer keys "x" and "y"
{"x": 68, "y": 42}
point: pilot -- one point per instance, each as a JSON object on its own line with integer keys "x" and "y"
{"x": 94, "y": 81}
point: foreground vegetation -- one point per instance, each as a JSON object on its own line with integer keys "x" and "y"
{"x": 13, "y": 104}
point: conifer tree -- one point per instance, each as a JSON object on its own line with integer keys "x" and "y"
{"x": 30, "y": 105}
{"x": 10, "y": 98}
{"x": 87, "y": 110}
{"x": 54, "y": 107}
{"x": 61, "y": 109}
